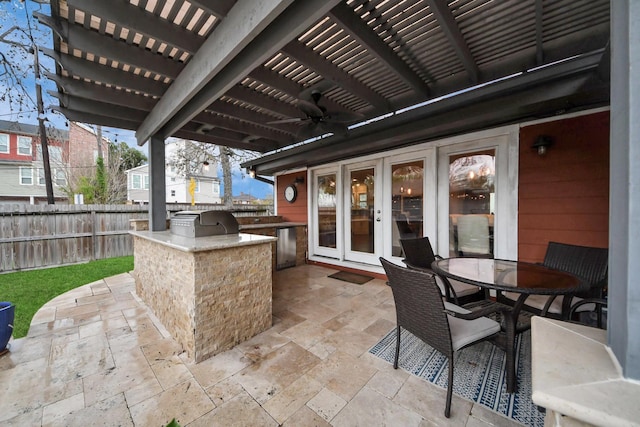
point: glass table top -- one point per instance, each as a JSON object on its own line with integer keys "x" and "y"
{"x": 507, "y": 275}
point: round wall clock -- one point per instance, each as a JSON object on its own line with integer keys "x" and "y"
{"x": 290, "y": 193}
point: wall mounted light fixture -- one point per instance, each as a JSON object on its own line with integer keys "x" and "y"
{"x": 299, "y": 180}
{"x": 542, "y": 144}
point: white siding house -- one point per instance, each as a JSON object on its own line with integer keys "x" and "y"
{"x": 206, "y": 182}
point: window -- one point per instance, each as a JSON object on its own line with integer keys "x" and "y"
{"x": 26, "y": 176}
{"x": 55, "y": 154}
{"x": 139, "y": 181}
{"x": 326, "y": 202}
{"x": 41, "y": 180}
{"x": 197, "y": 190}
{"x": 61, "y": 179}
{"x": 216, "y": 188}
{"x": 4, "y": 143}
{"x": 173, "y": 193}
{"x": 24, "y": 145}
{"x": 136, "y": 181}
{"x": 472, "y": 198}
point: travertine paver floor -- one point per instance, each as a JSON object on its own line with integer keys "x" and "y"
{"x": 97, "y": 356}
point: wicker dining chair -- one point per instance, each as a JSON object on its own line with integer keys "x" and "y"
{"x": 418, "y": 254}
{"x": 421, "y": 311}
{"x": 589, "y": 264}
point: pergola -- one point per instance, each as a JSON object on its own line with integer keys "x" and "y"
{"x": 369, "y": 75}
{"x": 224, "y": 71}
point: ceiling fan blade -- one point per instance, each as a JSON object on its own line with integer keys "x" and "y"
{"x": 293, "y": 120}
{"x": 342, "y": 116}
{"x": 309, "y": 108}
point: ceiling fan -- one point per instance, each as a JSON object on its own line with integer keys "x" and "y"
{"x": 318, "y": 119}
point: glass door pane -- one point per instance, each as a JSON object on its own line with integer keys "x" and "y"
{"x": 472, "y": 199}
{"x": 362, "y": 210}
{"x": 326, "y": 202}
{"x": 407, "y": 193}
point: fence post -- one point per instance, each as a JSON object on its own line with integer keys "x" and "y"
{"x": 94, "y": 240}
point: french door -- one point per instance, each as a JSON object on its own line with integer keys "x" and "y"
{"x": 363, "y": 212}
{"x": 477, "y": 198}
{"x": 327, "y": 213}
{"x": 409, "y": 199}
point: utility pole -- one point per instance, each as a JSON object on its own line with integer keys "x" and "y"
{"x": 43, "y": 131}
{"x": 33, "y": 49}
{"x": 99, "y": 137}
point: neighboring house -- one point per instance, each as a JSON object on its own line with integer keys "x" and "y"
{"x": 244, "y": 199}
{"x": 72, "y": 154}
{"x": 21, "y": 168}
{"x": 207, "y": 184}
{"x": 83, "y": 152}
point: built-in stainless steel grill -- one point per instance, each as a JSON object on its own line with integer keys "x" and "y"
{"x": 203, "y": 223}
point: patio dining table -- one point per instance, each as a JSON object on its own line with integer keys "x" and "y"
{"x": 509, "y": 276}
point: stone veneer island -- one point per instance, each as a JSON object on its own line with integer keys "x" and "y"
{"x": 210, "y": 293}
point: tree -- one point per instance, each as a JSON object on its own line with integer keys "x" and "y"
{"x": 108, "y": 184}
{"x": 193, "y": 154}
{"x": 18, "y": 44}
{"x": 121, "y": 158}
{"x": 125, "y": 157}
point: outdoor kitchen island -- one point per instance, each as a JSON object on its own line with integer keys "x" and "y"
{"x": 211, "y": 293}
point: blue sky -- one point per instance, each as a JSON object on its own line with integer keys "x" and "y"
{"x": 13, "y": 13}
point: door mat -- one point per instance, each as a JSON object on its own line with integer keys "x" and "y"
{"x": 345, "y": 276}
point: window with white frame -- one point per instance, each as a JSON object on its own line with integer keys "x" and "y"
{"x": 139, "y": 181}
{"x": 61, "y": 178}
{"x": 136, "y": 181}
{"x": 26, "y": 176}
{"x": 55, "y": 154}
{"x": 4, "y": 143}
{"x": 41, "y": 179}
{"x": 173, "y": 193}
{"x": 24, "y": 145}
{"x": 197, "y": 190}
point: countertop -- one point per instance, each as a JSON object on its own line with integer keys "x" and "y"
{"x": 199, "y": 244}
{"x": 271, "y": 225}
{"x": 574, "y": 373}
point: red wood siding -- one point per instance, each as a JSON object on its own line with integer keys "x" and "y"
{"x": 35, "y": 142}
{"x": 563, "y": 196}
{"x": 296, "y": 211}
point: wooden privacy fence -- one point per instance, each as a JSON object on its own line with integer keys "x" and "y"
{"x": 36, "y": 236}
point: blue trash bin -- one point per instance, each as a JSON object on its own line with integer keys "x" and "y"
{"x": 7, "y": 313}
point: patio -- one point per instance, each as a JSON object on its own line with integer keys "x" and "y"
{"x": 97, "y": 356}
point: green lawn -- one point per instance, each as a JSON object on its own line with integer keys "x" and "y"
{"x": 30, "y": 290}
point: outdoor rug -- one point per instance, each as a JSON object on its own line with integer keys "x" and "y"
{"x": 479, "y": 374}
{"x": 345, "y": 276}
